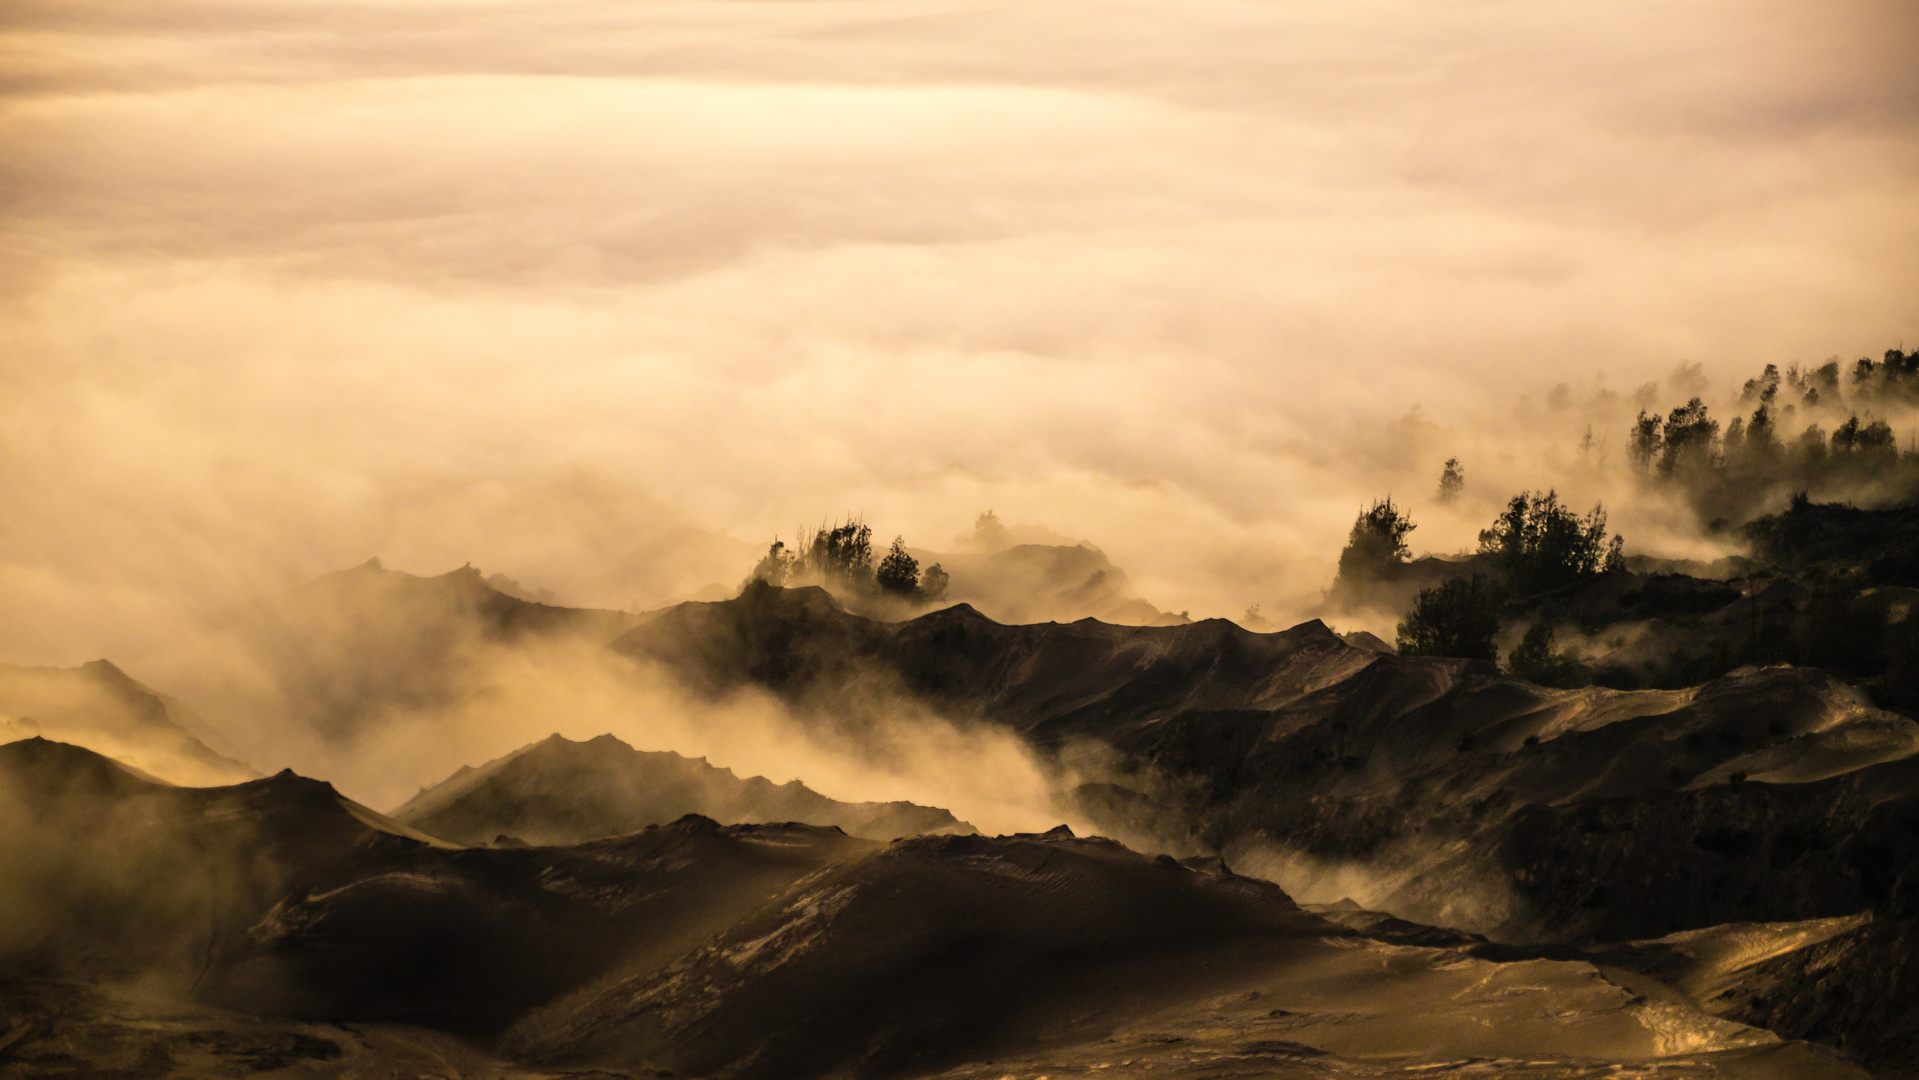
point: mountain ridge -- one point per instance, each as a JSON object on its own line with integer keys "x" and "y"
{"x": 557, "y": 791}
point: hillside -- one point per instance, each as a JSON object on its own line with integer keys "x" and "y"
{"x": 557, "y": 791}
{"x": 98, "y": 706}
{"x": 1442, "y": 790}
{"x": 336, "y": 941}
{"x": 1047, "y": 681}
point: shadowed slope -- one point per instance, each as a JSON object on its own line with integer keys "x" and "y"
{"x": 744, "y": 951}
{"x": 1444, "y": 791}
{"x": 928, "y": 951}
{"x": 283, "y": 898}
{"x": 558, "y": 791}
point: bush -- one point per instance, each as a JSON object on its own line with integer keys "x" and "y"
{"x": 1457, "y": 618}
{"x": 1535, "y": 660}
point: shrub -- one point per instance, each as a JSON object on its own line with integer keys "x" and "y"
{"x": 1535, "y": 660}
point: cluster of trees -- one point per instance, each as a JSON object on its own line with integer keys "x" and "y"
{"x": 1741, "y": 470}
{"x": 841, "y": 558}
{"x": 1892, "y": 379}
{"x": 1535, "y": 545}
{"x": 1688, "y": 441}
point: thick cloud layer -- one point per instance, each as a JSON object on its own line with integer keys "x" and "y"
{"x": 601, "y": 295}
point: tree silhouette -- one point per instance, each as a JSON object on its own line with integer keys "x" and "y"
{"x": 1535, "y": 660}
{"x": 899, "y": 573}
{"x": 1458, "y": 617}
{"x": 776, "y": 567}
{"x": 842, "y": 555}
{"x": 1376, "y": 544}
{"x": 933, "y": 584}
{"x": 1539, "y": 544}
{"x": 1452, "y": 481}
{"x": 1690, "y": 438}
{"x": 1643, "y": 445}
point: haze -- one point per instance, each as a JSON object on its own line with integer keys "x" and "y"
{"x": 603, "y": 296}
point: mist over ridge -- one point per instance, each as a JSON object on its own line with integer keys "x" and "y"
{"x": 892, "y": 539}
{"x": 601, "y": 297}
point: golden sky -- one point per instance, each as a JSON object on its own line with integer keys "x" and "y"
{"x": 603, "y": 295}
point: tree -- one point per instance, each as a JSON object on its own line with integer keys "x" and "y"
{"x": 989, "y": 533}
{"x": 1535, "y": 660}
{"x": 933, "y": 585}
{"x": 1452, "y": 480}
{"x": 899, "y": 573}
{"x": 1644, "y": 443}
{"x": 1690, "y": 438}
{"x": 1539, "y": 544}
{"x": 1458, "y": 617}
{"x": 842, "y": 555}
{"x": 1377, "y": 543}
{"x": 776, "y": 567}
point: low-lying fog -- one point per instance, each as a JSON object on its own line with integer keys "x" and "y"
{"x": 605, "y": 296}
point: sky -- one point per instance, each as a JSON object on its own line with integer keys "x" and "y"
{"x": 604, "y": 296}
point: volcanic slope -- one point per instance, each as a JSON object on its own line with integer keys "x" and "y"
{"x": 98, "y": 706}
{"x": 281, "y": 897}
{"x": 970, "y": 953}
{"x": 1439, "y": 790}
{"x": 557, "y": 791}
{"x": 741, "y": 951}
